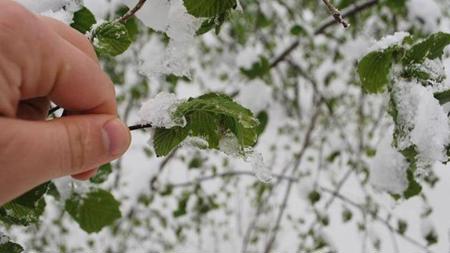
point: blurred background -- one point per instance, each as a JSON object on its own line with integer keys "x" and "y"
{"x": 295, "y": 69}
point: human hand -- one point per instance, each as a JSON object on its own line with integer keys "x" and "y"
{"x": 43, "y": 60}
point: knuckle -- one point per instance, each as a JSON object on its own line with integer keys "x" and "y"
{"x": 77, "y": 147}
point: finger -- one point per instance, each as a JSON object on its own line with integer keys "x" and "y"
{"x": 34, "y": 152}
{"x": 33, "y": 109}
{"x": 50, "y": 65}
{"x": 85, "y": 175}
{"x": 72, "y": 36}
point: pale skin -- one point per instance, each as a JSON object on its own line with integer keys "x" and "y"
{"x": 43, "y": 60}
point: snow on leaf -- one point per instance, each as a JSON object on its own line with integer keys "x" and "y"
{"x": 160, "y": 111}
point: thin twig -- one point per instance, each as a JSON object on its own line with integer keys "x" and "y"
{"x": 307, "y": 140}
{"x": 347, "y": 12}
{"x": 140, "y": 126}
{"x": 53, "y": 110}
{"x": 131, "y": 12}
{"x": 375, "y": 216}
{"x": 337, "y": 15}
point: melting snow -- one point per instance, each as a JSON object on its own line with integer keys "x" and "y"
{"x": 159, "y": 111}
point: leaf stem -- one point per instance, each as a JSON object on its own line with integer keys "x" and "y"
{"x": 131, "y": 12}
{"x": 140, "y": 126}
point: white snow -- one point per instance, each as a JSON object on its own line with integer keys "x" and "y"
{"x": 154, "y": 13}
{"x": 389, "y": 41}
{"x": 53, "y": 8}
{"x": 159, "y": 111}
{"x": 3, "y": 238}
{"x": 64, "y": 187}
{"x": 431, "y": 133}
{"x": 172, "y": 18}
{"x": 388, "y": 168}
{"x": 262, "y": 172}
{"x": 424, "y": 12}
{"x": 229, "y": 145}
{"x": 427, "y": 227}
{"x": 423, "y": 122}
{"x": 255, "y": 95}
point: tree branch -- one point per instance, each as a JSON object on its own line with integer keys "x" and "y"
{"x": 347, "y": 12}
{"x": 337, "y": 15}
{"x": 131, "y": 12}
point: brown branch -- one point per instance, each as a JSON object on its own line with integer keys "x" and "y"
{"x": 347, "y": 12}
{"x": 131, "y": 12}
{"x": 337, "y": 15}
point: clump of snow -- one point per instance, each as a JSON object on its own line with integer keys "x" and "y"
{"x": 422, "y": 122}
{"x": 431, "y": 133}
{"x": 262, "y": 172}
{"x": 229, "y": 145}
{"x": 64, "y": 187}
{"x": 197, "y": 142}
{"x": 247, "y": 97}
{"x": 388, "y": 168}
{"x": 425, "y": 12}
{"x": 154, "y": 13}
{"x": 389, "y": 41}
{"x": 61, "y": 10}
{"x": 172, "y": 18}
{"x": 159, "y": 111}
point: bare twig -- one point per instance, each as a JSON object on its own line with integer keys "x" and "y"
{"x": 337, "y": 15}
{"x": 283, "y": 206}
{"x": 131, "y": 12}
{"x": 347, "y": 12}
{"x": 139, "y": 126}
{"x": 376, "y": 217}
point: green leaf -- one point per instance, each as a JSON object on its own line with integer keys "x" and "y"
{"x": 10, "y": 247}
{"x": 102, "y": 175}
{"x": 443, "y": 97}
{"x": 208, "y": 8}
{"x": 182, "y": 205}
{"x": 431, "y": 48}
{"x": 414, "y": 188}
{"x": 374, "y": 70}
{"x": 204, "y": 124}
{"x": 218, "y": 104}
{"x": 298, "y": 30}
{"x": 83, "y": 20}
{"x": 111, "y": 38}
{"x": 93, "y": 211}
{"x": 263, "y": 118}
{"x": 165, "y": 140}
{"x": 206, "y": 26}
{"x": 26, "y": 209}
{"x": 258, "y": 69}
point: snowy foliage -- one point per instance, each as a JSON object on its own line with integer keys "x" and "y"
{"x": 159, "y": 111}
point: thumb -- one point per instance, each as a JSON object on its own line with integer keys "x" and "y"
{"x": 32, "y": 152}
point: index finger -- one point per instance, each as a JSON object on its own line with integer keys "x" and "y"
{"x": 49, "y": 65}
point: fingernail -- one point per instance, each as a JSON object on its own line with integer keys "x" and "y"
{"x": 117, "y": 137}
